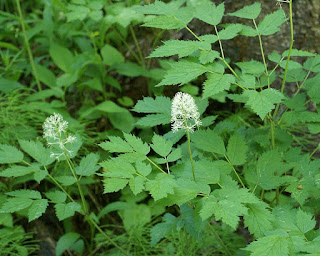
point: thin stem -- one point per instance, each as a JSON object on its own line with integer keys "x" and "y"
{"x": 272, "y": 132}
{"x": 59, "y": 186}
{"x": 155, "y": 165}
{"x": 137, "y": 45}
{"x": 28, "y": 46}
{"x": 288, "y": 59}
{"x": 219, "y": 239}
{"x": 230, "y": 68}
{"x": 220, "y": 44}
{"x": 313, "y": 152}
{"x": 225, "y": 156}
{"x": 193, "y": 33}
{"x": 262, "y": 52}
{"x": 106, "y": 236}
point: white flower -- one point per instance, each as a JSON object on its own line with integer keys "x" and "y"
{"x": 184, "y": 113}
{"x": 54, "y": 131}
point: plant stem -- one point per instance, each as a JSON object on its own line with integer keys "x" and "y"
{"x": 28, "y": 46}
{"x": 219, "y": 239}
{"x": 193, "y": 33}
{"x": 230, "y": 68}
{"x": 137, "y": 45}
{"x": 272, "y": 132}
{"x": 225, "y": 156}
{"x": 155, "y": 165}
{"x": 59, "y": 186}
{"x": 288, "y": 59}
{"x": 262, "y": 52}
{"x": 313, "y": 152}
{"x": 220, "y": 44}
{"x": 105, "y": 235}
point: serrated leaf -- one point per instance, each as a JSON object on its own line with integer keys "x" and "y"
{"x": 217, "y": 83}
{"x": 305, "y": 221}
{"x": 298, "y": 53}
{"x": 207, "y": 172}
{"x": 160, "y": 230}
{"x": 272, "y": 245}
{"x": 149, "y": 105}
{"x": 258, "y": 219}
{"x": 56, "y": 196}
{"x": 237, "y": 150}
{"x": 230, "y": 31}
{"x": 210, "y": 13}
{"x": 159, "y": 7}
{"x": 15, "y": 204}
{"x": 248, "y": 12}
{"x": 271, "y": 23}
{"x": 182, "y": 72}
{"x": 113, "y": 184}
{"x": 137, "y": 144}
{"x": 137, "y": 184}
{"x": 154, "y": 120}
{"x": 88, "y": 165}
{"x": 116, "y": 145}
{"x": 64, "y": 211}
{"x": 209, "y": 141}
{"x": 25, "y": 193}
{"x": 165, "y": 22}
{"x": 161, "y": 146}
{"x": 312, "y": 64}
{"x": 117, "y": 168}
{"x": 248, "y": 31}
{"x": 208, "y": 57}
{"x": 251, "y": 67}
{"x": 9, "y": 154}
{"x": 37, "y": 151}
{"x": 264, "y": 101}
{"x": 180, "y": 47}
{"x": 65, "y": 242}
{"x": 161, "y": 186}
{"x": 17, "y": 171}
{"x": 143, "y": 168}
{"x": 37, "y": 208}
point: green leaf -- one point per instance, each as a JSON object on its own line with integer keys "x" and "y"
{"x": 25, "y": 193}
{"x": 46, "y": 76}
{"x": 227, "y": 204}
{"x": 271, "y": 23}
{"x": 149, "y": 105}
{"x": 117, "y": 168}
{"x": 210, "y": 13}
{"x": 182, "y": 72}
{"x": 88, "y": 165}
{"x": 64, "y": 211}
{"x": 116, "y": 145}
{"x": 258, "y": 219}
{"x": 272, "y": 245}
{"x": 17, "y": 171}
{"x": 114, "y": 184}
{"x": 180, "y": 47}
{"x": 111, "y": 55}
{"x": 137, "y": 144}
{"x": 65, "y": 242}
{"x": 161, "y": 186}
{"x": 10, "y": 155}
{"x": 37, "y": 208}
{"x": 7, "y": 85}
{"x": 159, "y": 7}
{"x": 305, "y": 221}
{"x": 248, "y": 12}
{"x": 207, "y": 172}
{"x": 161, "y": 146}
{"x": 298, "y": 53}
{"x": 165, "y": 22}
{"x": 56, "y": 196}
{"x": 37, "y": 151}
{"x": 207, "y": 57}
{"x": 15, "y": 204}
{"x": 76, "y": 12}
{"x": 312, "y": 64}
{"x": 217, "y": 83}
{"x": 251, "y": 67}
{"x": 209, "y": 141}
{"x": 137, "y": 184}
{"x": 160, "y": 230}
{"x": 143, "y": 168}
{"x": 264, "y": 101}
{"x": 237, "y": 150}
{"x": 230, "y": 31}
{"x": 62, "y": 57}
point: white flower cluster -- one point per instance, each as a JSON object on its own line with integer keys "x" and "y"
{"x": 184, "y": 113}
{"x": 54, "y": 131}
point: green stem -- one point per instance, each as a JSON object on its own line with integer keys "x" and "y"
{"x": 225, "y": 156}
{"x": 288, "y": 59}
{"x": 155, "y": 165}
{"x": 28, "y": 46}
{"x": 137, "y": 45}
{"x": 193, "y": 33}
{"x": 230, "y": 68}
{"x": 220, "y": 44}
{"x": 59, "y": 186}
{"x": 219, "y": 239}
{"x": 272, "y": 132}
{"x": 262, "y": 52}
{"x": 313, "y": 152}
{"x": 105, "y": 235}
